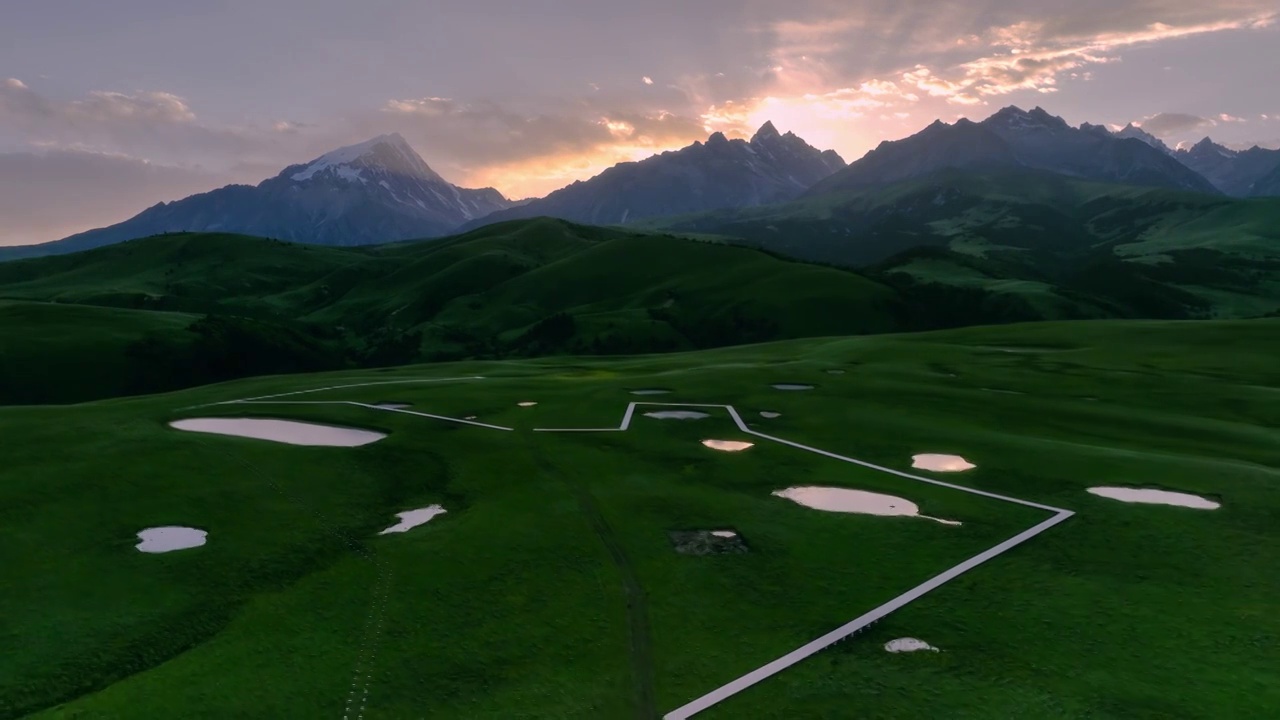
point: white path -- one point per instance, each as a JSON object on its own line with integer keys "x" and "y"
{"x": 804, "y": 651}
{"x": 338, "y": 387}
{"x": 730, "y": 689}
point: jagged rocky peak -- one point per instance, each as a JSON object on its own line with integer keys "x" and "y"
{"x": 1137, "y": 133}
{"x": 766, "y": 132}
{"x": 1015, "y": 118}
{"x": 717, "y": 174}
{"x": 1208, "y": 148}
{"x": 1204, "y": 151}
{"x": 933, "y": 129}
{"x": 1044, "y": 116}
{"x": 1008, "y": 113}
{"x": 1099, "y": 130}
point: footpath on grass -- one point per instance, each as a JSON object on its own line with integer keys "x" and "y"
{"x": 640, "y": 643}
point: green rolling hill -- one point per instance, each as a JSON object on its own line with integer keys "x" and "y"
{"x": 954, "y": 249}
{"x": 1067, "y": 248}
{"x": 58, "y": 353}
{"x": 516, "y": 289}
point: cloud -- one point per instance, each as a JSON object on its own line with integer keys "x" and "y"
{"x": 839, "y": 61}
{"x": 484, "y": 132}
{"x": 144, "y": 124}
{"x": 1143, "y": 20}
{"x": 19, "y": 102}
{"x": 290, "y": 126}
{"x": 468, "y": 142}
{"x": 59, "y": 192}
{"x": 843, "y": 74}
{"x": 966, "y": 55}
{"x": 1169, "y": 124}
{"x": 1034, "y": 55}
{"x": 429, "y": 106}
{"x": 532, "y": 153}
{"x": 923, "y": 79}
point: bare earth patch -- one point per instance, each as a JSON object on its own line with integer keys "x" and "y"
{"x": 908, "y": 644}
{"x": 941, "y": 463}
{"x": 1155, "y": 497}
{"x": 728, "y": 445}
{"x": 290, "y": 432}
{"x": 410, "y": 519}
{"x": 845, "y": 500}
{"x": 169, "y": 538}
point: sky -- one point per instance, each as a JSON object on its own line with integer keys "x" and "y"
{"x": 109, "y": 108}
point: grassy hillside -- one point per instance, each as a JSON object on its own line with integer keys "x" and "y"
{"x": 60, "y": 353}
{"x": 1065, "y": 247}
{"x": 499, "y": 280}
{"x": 551, "y": 588}
{"x": 953, "y": 251}
{"x": 516, "y": 289}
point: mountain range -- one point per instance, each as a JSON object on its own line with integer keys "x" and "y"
{"x": 382, "y": 191}
{"x": 1239, "y": 173}
{"x": 376, "y": 191}
{"x": 720, "y": 173}
{"x": 1016, "y": 138}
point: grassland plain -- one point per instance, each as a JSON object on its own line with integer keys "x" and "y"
{"x": 514, "y": 603}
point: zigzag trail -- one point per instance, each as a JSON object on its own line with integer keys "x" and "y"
{"x": 767, "y": 670}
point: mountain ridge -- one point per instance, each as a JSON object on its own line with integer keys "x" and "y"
{"x": 375, "y": 191}
{"x": 718, "y": 173}
{"x": 1234, "y": 172}
{"x": 381, "y": 190}
{"x": 1010, "y": 138}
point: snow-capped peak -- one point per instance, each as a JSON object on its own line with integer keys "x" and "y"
{"x": 389, "y": 152}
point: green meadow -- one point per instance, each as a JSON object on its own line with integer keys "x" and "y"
{"x": 551, "y": 588}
